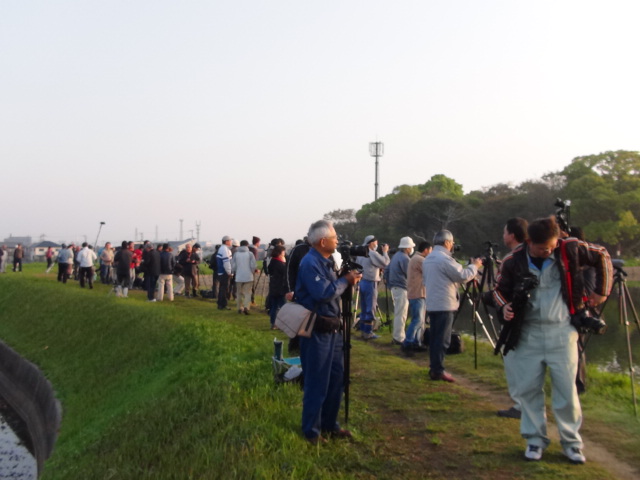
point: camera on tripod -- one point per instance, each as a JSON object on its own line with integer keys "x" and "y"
{"x": 348, "y": 251}
{"x": 562, "y": 214}
{"x": 584, "y": 322}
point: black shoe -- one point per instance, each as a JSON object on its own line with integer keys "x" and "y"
{"x": 510, "y": 413}
{"x": 395, "y": 342}
{"x": 407, "y": 350}
{"x": 420, "y": 348}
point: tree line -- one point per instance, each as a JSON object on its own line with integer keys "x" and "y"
{"x": 603, "y": 190}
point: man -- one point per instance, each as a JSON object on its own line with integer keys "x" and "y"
{"x": 442, "y": 275}
{"x": 189, "y": 261}
{"x": 106, "y": 263}
{"x": 416, "y": 293}
{"x": 548, "y": 340}
{"x": 18, "y": 253}
{"x": 397, "y": 281}
{"x": 65, "y": 261}
{"x": 255, "y": 247}
{"x": 151, "y": 270}
{"x": 244, "y": 266}
{"x": 123, "y": 260}
{"x": 514, "y": 235}
{"x": 86, "y": 258}
{"x": 223, "y": 259}
{"x": 371, "y": 269}
{"x": 167, "y": 264}
{"x": 318, "y": 289}
{"x": 4, "y": 258}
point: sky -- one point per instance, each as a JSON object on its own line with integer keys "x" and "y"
{"x": 255, "y": 117}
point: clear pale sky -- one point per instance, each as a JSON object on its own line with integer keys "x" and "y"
{"x": 254, "y": 117}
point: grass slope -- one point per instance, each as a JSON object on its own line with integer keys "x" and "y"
{"x": 182, "y": 391}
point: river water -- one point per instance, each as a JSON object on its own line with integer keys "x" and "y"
{"x": 610, "y": 351}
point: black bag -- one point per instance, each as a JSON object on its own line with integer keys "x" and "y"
{"x": 456, "y": 345}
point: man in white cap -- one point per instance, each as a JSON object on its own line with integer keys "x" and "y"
{"x": 371, "y": 267}
{"x": 397, "y": 281}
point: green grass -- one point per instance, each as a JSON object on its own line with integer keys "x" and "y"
{"x": 182, "y": 391}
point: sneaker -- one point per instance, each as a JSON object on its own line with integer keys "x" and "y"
{"x": 510, "y": 413}
{"x": 152, "y": 300}
{"x": 575, "y": 455}
{"x": 533, "y": 452}
{"x": 369, "y": 336}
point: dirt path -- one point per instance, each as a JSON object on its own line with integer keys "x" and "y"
{"x": 595, "y": 451}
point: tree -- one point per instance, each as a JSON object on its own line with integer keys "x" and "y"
{"x": 605, "y": 194}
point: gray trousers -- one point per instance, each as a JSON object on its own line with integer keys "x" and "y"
{"x": 553, "y": 347}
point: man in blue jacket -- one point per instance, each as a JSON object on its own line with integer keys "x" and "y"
{"x": 318, "y": 289}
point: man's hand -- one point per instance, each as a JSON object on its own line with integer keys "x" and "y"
{"x": 353, "y": 277}
{"x": 507, "y": 312}
{"x": 289, "y": 296}
{"x": 477, "y": 262}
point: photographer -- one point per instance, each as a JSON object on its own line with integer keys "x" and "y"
{"x": 548, "y": 338}
{"x": 318, "y": 289}
{"x": 442, "y": 277}
{"x": 371, "y": 267}
{"x": 397, "y": 280}
{"x": 514, "y": 235}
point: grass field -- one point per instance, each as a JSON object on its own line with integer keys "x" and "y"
{"x": 183, "y": 391}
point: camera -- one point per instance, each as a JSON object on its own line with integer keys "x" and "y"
{"x": 584, "y": 322}
{"x": 562, "y": 214}
{"x": 347, "y": 250}
{"x": 525, "y": 283}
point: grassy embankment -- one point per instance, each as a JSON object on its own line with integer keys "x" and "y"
{"x": 182, "y": 391}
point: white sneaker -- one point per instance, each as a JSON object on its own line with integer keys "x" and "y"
{"x": 533, "y": 452}
{"x": 574, "y": 454}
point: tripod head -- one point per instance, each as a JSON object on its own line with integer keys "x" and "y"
{"x": 617, "y": 266}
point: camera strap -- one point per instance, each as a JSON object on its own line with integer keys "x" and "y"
{"x": 567, "y": 272}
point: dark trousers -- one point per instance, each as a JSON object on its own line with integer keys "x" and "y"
{"x": 323, "y": 364}
{"x": 105, "y": 273}
{"x": 86, "y": 274}
{"x": 151, "y": 286}
{"x": 17, "y": 265}
{"x": 439, "y": 339}
{"x": 223, "y": 290}
{"x": 277, "y": 301}
{"x": 63, "y": 272}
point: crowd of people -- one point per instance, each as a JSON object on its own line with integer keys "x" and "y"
{"x": 427, "y": 284}
{"x": 424, "y": 281}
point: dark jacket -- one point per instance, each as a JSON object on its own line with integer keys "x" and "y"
{"x": 277, "y": 277}
{"x": 167, "y": 263}
{"x": 578, "y": 254}
{"x": 189, "y": 262}
{"x": 123, "y": 260}
{"x": 152, "y": 263}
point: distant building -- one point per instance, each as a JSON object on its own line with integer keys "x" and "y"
{"x": 37, "y": 252}
{"x": 12, "y": 242}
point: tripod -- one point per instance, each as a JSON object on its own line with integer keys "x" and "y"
{"x": 347, "y": 325}
{"x": 624, "y": 301}
{"x": 473, "y": 293}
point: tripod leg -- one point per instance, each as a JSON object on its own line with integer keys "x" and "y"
{"x": 623, "y": 299}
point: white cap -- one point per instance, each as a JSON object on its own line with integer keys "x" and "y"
{"x": 406, "y": 242}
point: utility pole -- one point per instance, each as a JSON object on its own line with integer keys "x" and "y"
{"x": 376, "y": 149}
{"x": 181, "y": 237}
{"x": 198, "y": 223}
